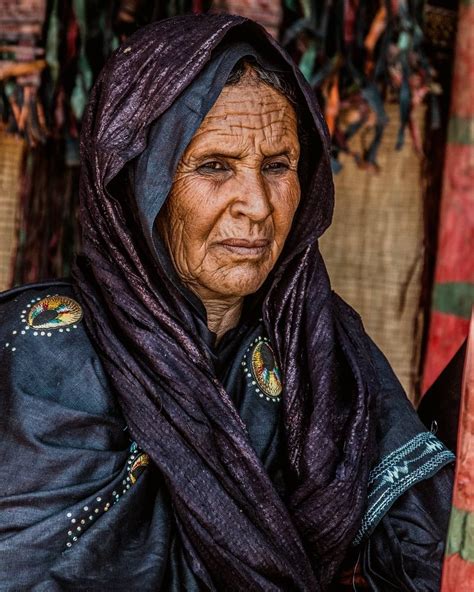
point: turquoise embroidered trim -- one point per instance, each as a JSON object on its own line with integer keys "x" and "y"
{"x": 418, "y": 459}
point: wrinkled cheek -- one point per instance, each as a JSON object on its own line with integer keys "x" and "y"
{"x": 282, "y": 229}
{"x": 195, "y": 216}
{"x": 285, "y": 215}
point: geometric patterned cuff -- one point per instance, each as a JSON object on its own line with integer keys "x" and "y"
{"x": 420, "y": 458}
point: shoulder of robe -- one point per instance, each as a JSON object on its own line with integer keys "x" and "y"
{"x": 407, "y": 453}
{"x": 45, "y": 350}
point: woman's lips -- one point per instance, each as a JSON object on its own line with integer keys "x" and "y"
{"x": 245, "y": 247}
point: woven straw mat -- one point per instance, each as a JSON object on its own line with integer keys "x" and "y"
{"x": 374, "y": 248}
{"x": 11, "y": 153}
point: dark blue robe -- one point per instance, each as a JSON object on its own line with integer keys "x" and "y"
{"x": 83, "y": 508}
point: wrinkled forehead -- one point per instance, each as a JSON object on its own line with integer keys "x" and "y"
{"x": 245, "y": 115}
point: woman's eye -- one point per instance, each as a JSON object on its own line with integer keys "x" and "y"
{"x": 276, "y": 166}
{"x": 213, "y": 165}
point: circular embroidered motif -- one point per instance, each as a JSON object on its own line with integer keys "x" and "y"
{"x": 265, "y": 370}
{"x": 54, "y": 312}
{"x": 138, "y": 466}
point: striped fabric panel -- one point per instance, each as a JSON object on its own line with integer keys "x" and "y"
{"x": 454, "y": 298}
{"x": 458, "y": 568}
{"x": 453, "y": 294}
{"x": 458, "y": 574}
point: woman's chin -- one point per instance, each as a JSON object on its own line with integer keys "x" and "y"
{"x": 239, "y": 283}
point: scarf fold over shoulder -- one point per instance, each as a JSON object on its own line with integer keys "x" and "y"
{"x": 237, "y": 531}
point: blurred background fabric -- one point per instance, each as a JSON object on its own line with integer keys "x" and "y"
{"x": 382, "y": 70}
{"x": 453, "y": 291}
{"x": 458, "y": 567}
{"x": 11, "y": 155}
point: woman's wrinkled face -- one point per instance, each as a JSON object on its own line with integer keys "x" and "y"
{"x": 235, "y": 193}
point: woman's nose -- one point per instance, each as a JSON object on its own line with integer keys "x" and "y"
{"x": 251, "y": 196}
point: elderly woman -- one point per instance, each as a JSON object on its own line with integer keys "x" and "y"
{"x": 198, "y": 411}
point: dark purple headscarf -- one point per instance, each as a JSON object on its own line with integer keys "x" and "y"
{"x": 237, "y": 531}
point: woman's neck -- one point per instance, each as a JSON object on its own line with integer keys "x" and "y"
{"x": 222, "y": 315}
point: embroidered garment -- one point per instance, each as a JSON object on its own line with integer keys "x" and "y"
{"x": 241, "y": 491}
{"x": 83, "y": 508}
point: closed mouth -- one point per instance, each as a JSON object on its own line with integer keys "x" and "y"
{"x": 246, "y": 247}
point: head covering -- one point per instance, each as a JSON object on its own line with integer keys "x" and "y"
{"x": 238, "y": 533}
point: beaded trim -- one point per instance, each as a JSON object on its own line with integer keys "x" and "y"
{"x": 418, "y": 459}
{"x": 137, "y": 462}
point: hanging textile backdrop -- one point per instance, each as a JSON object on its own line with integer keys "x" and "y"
{"x": 11, "y": 155}
{"x": 453, "y": 292}
{"x": 267, "y": 13}
{"x": 374, "y": 248}
{"x": 21, "y": 64}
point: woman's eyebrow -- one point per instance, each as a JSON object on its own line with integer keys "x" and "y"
{"x": 238, "y": 154}
{"x": 220, "y": 153}
{"x": 282, "y": 152}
